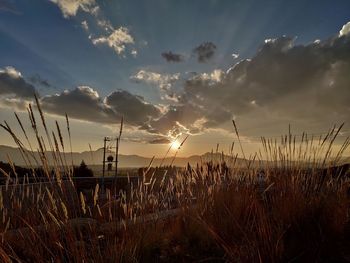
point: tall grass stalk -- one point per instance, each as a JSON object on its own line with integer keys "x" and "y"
{"x": 217, "y": 210}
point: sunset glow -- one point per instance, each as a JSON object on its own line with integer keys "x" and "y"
{"x": 175, "y": 145}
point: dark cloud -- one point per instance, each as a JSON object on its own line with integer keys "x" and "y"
{"x": 283, "y": 81}
{"x": 177, "y": 119}
{"x": 172, "y": 57}
{"x": 82, "y": 103}
{"x": 205, "y": 51}
{"x": 135, "y": 109}
{"x": 12, "y": 84}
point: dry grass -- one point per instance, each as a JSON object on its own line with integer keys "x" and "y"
{"x": 214, "y": 212}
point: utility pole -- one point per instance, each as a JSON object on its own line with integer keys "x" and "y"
{"x": 116, "y": 157}
{"x": 108, "y": 160}
{"x": 104, "y": 163}
{"x": 110, "y": 157}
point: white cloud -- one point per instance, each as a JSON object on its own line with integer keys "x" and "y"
{"x": 213, "y": 77}
{"x": 235, "y": 55}
{"x": 163, "y": 81}
{"x": 171, "y": 97}
{"x": 117, "y": 40}
{"x": 345, "y": 29}
{"x": 85, "y": 25}
{"x": 12, "y": 72}
{"x": 134, "y": 53}
{"x": 71, "y": 7}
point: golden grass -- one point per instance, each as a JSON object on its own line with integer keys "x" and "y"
{"x": 213, "y": 212}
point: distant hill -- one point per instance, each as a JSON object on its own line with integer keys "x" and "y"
{"x": 95, "y": 158}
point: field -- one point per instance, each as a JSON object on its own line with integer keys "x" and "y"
{"x": 288, "y": 203}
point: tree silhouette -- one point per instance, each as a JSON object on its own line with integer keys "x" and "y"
{"x": 82, "y": 171}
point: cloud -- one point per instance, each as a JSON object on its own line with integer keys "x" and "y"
{"x": 134, "y": 108}
{"x": 14, "y": 103}
{"x": 172, "y": 57}
{"x": 12, "y": 84}
{"x": 282, "y": 82}
{"x": 345, "y": 30}
{"x": 204, "y": 51}
{"x": 134, "y": 53}
{"x": 85, "y": 25}
{"x": 235, "y": 55}
{"x": 105, "y": 24}
{"x": 117, "y": 40}
{"x": 142, "y": 136}
{"x": 159, "y": 140}
{"x": 213, "y": 77}
{"x": 70, "y": 7}
{"x": 171, "y": 96}
{"x": 81, "y": 103}
{"x": 84, "y": 103}
{"x": 306, "y": 85}
{"x": 177, "y": 120}
{"x": 162, "y": 81}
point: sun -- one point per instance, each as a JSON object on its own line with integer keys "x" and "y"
{"x": 175, "y": 145}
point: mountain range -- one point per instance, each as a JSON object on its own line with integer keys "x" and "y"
{"x": 96, "y": 157}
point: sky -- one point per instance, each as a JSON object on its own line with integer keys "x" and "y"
{"x": 176, "y": 68}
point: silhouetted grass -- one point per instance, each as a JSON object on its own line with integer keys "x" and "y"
{"x": 214, "y": 212}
